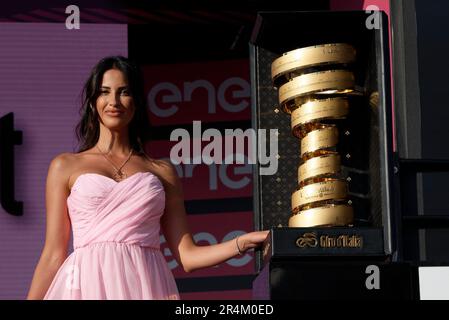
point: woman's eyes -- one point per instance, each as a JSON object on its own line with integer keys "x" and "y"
{"x": 123, "y": 93}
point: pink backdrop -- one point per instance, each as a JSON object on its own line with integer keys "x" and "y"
{"x": 383, "y": 5}
{"x": 43, "y": 67}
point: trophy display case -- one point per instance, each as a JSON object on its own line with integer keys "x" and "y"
{"x": 322, "y": 79}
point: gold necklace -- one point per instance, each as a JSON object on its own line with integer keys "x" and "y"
{"x": 119, "y": 174}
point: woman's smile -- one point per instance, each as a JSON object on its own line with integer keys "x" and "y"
{"x": 114, "y": 113}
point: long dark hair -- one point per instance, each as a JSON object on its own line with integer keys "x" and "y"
{"x": 88, "y": 128}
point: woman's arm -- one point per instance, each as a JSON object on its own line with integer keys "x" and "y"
{"x": 178, "y": 236}
{"x": 57, "y": 228}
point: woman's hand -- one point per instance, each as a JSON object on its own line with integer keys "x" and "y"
{"x": 250, "y": 240}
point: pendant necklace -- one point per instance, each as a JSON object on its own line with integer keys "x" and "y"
{"x": 119, "y": 175}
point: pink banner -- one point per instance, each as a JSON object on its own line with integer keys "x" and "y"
{"x": 43, "y": 68}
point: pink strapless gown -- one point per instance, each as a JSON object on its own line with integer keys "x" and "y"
{"x": 116, "y": 241}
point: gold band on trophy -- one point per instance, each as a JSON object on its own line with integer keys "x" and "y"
{"x": 323, "y": 82}
{"x": 333, "y": 175}
{"x": 328, "y": 215}
{"x": 334, "y": 53}
{"x": 322, "y": 138}
{"x": 319, "y": 166}
{"x": 315, "y": 110}
{"x": 326, "y": 190}
{"x": 301, "y": 131}
{"x": 318, "y": 153}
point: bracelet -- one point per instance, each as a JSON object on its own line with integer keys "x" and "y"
{"x": 237, "y": 244}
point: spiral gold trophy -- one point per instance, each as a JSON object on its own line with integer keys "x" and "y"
{"x": 314, "y": 84}
{"x": 322, "y": 81}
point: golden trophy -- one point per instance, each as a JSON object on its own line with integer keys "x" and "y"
{"x": 322, "y": 79}
{"x": 314, "y": 84}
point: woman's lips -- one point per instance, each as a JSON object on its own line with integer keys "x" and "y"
{"x": 114, "y": 113}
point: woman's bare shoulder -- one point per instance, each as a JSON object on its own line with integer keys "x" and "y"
{"x": 68, "y": 158}
{"x": 60, "y": 169}
{"x": 62, "y": 164}
{"x": 62, "y": 161}
{"x": 163, "y": 164}
{"x": 163, "y": 168}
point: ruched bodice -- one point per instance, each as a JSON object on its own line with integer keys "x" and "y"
{"x": 116, "y": 228}
{"x": 103, "y": 210}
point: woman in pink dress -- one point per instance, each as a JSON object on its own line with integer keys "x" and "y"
{"x": 115, "y": 199}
